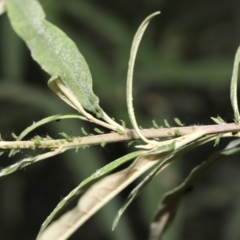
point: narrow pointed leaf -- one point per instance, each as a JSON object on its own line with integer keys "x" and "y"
{"x": 170, "y": 202}
{"x": 83, "y": 185}
{"x": 137, "y": 189}
{"x": 178, "y": 151}
{"x": 27, "y": 161}
{"x": 45, "y": 121}
{"x": 133, "y": 53}
{"x": 104, "y": 190}
{"x": 42, "y": 122}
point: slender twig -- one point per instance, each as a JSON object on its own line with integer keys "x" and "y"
{"x": 129, "y": 135}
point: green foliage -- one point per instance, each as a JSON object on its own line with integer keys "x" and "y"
{"x": 72, "y": 81}
{"x": 88, "y": 181}
{"x": 53, "y": 50}
{"x": 170, "y": 201}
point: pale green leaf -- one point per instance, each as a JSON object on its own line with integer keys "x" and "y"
{"x": 136, "y": 190}
{"x": 27, "y": 161}
{"x": 133, "y": 53}
{"x": 192, "y": 142}
{"x": 40, "y": 123}
{"x": 45, "y": 121}
{"x": 53, "y": 50}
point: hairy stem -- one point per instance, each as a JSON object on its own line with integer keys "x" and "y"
{"x": 129, "y": 135}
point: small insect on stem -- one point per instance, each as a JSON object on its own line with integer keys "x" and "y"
{"x": 97, "y": 130}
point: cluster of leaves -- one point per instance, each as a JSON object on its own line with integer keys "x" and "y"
{"x": 71, "y": 81}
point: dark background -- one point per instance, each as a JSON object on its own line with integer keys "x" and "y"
{"x": 183, "y": 70}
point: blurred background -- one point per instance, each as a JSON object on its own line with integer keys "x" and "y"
{"x": 183, "y": 70}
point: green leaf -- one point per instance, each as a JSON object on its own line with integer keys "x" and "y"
{"x": 53, "y": 50}
{"x": 27, "y": 161}
{"x": 86, "y": 183}
{"x": 136, "y": 190}
{"x": 133, "y": 53}
{"x": 171, "y": 200}
{"x": 173, "y": 150}
{"x": 105, "y": 189}
{"x": 45, "y": 121}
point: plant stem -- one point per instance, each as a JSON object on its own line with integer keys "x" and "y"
{"x": 129, "y": 135}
